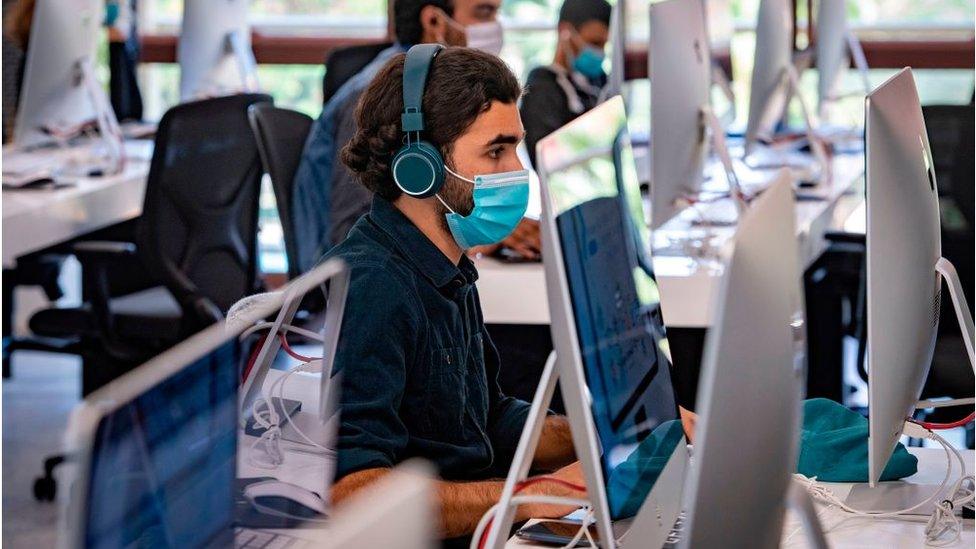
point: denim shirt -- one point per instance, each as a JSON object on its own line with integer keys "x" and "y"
{"x": 419, "y": 371}
{"x": 312, "y": 186}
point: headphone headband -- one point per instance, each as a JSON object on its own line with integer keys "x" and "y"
{"x": 415, "y": 69}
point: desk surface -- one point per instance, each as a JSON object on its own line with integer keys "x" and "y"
{"x": 516, "y": 294}
{"x": 844, "y": 531}
{"x": 37, "y": 219}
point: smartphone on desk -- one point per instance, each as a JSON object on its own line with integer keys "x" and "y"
{"x": 558, "y": 532}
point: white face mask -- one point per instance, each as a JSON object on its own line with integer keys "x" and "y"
{"x": 487, "y": 37}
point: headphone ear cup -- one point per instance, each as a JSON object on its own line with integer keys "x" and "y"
{"x": 418, "y": 170}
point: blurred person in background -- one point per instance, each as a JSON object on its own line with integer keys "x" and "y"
{"x": 571, "y": 85}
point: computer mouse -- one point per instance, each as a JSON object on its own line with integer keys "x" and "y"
{"x": 285, "y": 498}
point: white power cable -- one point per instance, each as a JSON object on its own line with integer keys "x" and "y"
{"x": 943, "y": 519}
{"x": 264, "y": 412}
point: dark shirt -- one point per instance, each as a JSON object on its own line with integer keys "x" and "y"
{"x": 546, "y": 105}
{"x": 419, "y": 371}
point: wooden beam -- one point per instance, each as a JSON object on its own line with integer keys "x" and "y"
{"x": 276, "y": 49}
{"x": 268, "y": 49}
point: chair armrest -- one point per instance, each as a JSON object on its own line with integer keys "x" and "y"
{"x": 101, "y": 250}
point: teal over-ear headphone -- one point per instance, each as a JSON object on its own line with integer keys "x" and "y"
{"x": 418, "y": 168}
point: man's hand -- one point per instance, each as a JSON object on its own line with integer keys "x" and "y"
{"x": 524, "y": 241}
{"x": 572, "y": 474}
{"x": 688, "y": 421}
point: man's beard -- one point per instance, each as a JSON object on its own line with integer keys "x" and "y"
{"x": 458, "y": 194}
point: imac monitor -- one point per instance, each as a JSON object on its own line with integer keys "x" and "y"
{"x": 831, "y": 48}
{"x": 903, "y": 246}
{"x": 753, "y": 343}
{"x": 610, "y": 341}
{"x": 214, "y": 49}
{"x": 680, "y": 74}
{"x": 53, "y": 94}
{"x": 156, "y": 451}
{"x": 773, "y": 56}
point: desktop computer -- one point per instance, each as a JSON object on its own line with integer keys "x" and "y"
{"x": 752, "y": 382}
{"x": 214, "y": 49}
{"x": 680, "y": 73}
{"x": 774, "y": 82}
{"x": 60, "y": 95}
{"x": 835, "y": 48}
{"x": 155, "y": 452}
{"x": 611, "y": 349}
{"x": 905, "y": 267}
{"x": 682, "y": 120}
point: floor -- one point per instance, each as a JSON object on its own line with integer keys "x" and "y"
{"x": 37, "y": 400}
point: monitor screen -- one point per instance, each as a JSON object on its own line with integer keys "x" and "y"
{"x": 615, "y": 301}
{"x": 163, "y": 466}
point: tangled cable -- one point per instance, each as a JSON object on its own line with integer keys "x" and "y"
{"x": 943, "y": 520}
{"x": 264, "y": 411}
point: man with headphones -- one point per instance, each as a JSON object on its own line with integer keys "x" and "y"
{"x": 435, "y": 146}
{"x": 327, "y": 199}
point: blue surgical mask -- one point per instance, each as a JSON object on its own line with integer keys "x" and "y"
{"x": 589, "y": 63}
{"x": 500, "y": 201}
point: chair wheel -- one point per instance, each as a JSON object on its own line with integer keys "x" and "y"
{"x": 45, "y": 488}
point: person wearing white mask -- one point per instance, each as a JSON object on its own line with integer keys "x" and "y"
{"x": 571, "y": 85}
{"x": 327, "y": 200}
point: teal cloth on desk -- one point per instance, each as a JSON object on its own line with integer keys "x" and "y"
{"x": 632, "y": 480}
{"x": 834, "y": 446}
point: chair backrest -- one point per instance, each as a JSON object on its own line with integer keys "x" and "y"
{"x": 344, "y": 63}
{"x": 198, "y": 231}
{"x": 280, "y": 135}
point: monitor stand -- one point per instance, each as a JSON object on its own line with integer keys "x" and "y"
{"x": 771, "y": 159}
{"x": 238, "y": 46}
{"x": 888, "y": 496}
{"x": 108, "y": 125}
{"x": 717, "y": 215}
{"x": 947, "y": 271}
{"x": 657, "y": 515}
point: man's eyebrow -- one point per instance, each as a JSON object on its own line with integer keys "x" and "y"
{"x": 505, "y": 139}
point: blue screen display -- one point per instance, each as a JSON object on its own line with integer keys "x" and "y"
{"x": 164, "y": 465}
{"x": 615, "y": 300}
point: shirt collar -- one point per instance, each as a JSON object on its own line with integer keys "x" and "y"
{"x": 414, "y": 245}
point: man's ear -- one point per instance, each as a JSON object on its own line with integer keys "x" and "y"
{"x": 434, "y": 25}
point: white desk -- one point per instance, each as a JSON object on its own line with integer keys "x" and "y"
{"x": 844, "y": 531}
{"x": 37, "y": 219}
{"x": 516, "y": 294}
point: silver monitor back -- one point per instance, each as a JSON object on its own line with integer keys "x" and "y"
{"x": 831, "y": 48}
{"x": 903, "y": 246}
{"x": 774, "y": 52}
{"x": 53, "y": 92}
{"x": 680, "y": 74}
{"x": 606, "y": 320}
{"x": 208, "y": 66}
{"x": 751, "y": 385}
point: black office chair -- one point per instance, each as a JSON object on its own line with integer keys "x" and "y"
{"x": 344, "y": 63}
{"x": 196, "y": 242}
{"x": 280, "y": 135}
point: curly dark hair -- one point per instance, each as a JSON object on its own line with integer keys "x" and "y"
{"x": 462, "y": 84}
